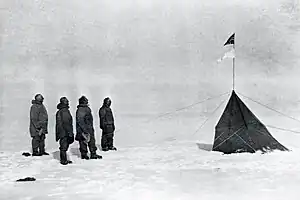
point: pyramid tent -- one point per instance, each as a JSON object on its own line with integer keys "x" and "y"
{"x": 239, "y": 130}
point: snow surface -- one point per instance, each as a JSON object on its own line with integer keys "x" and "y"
{"x": 150, "y": 57}
{"x": 170, "y": 170}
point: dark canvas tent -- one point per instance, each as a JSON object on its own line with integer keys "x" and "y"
{"x": 239, "y": 130}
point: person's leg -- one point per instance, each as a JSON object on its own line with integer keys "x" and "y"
{"x": 111, "y": 141}
{"x": 104, "y": 142}
{"x": 35, "y": 145}
{"x": 83, "y": 149}
{"x": 64, "y": 145}
{"x": 42, "y": 145}
{"x": 93, "y": 148}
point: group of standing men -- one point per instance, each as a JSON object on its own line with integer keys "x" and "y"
{"x": 64, "y": 134}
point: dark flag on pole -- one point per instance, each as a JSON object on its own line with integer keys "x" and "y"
{"x": 230, "y": 40}
{"x": 231, "y": 52}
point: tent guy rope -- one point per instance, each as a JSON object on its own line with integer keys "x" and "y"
{"x": 178, "y": 109}
{"x": 293, "y": 118}
{"x": 272, "y": 109}
{"x": 189, "y": 106}
{"x": 212, "y": 113}
{"x": 283, "y": 129}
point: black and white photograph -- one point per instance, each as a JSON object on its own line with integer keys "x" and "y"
{"x": 149, "y": 99}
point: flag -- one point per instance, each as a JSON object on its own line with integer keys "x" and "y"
{"x": 231, "y": 52}
{"x": 228, "y": 54}
{"x": 230, "y": 40}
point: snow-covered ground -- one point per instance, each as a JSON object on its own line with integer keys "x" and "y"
{"x": 159, "y": 159}
{"x": 168, "y": 164}
{"x": 169, "y": 170}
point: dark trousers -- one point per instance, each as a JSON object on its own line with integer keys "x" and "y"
{"x": 83, "y": 145}
{"x": 63, "y": 147}
{"x": 107, "y": 140}
{"x": 38, "y": 143}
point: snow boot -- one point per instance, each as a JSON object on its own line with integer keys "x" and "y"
{"x": 113, "y": 148}
{"x": 95, "y": 156}
{"x": 63, "y": 158}
{"x": 36, "y": 154}
{"x": 44, "y": 153}
{"x": 64, "y": 162}
{"x": 105, "y": 149}
{"x": 85, "y": 157}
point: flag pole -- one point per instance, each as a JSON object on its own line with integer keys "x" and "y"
{"x": 231, "y": 41}
{"x": 233, "y": 69}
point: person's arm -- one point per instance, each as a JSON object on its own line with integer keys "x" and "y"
{"x": 80, "y": 120}
{"x": 34, "y": 117}
{"x": 102, "y": 118}
{"x": 68, "y": 123}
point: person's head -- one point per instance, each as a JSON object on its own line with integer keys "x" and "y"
{"x": 39, "y": 98}
{"x": 107, "y": 102}
{"x": 83, "y": 100}
{"x": 64, "y": 100}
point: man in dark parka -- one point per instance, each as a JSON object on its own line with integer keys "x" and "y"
{"x": 85, "y": 131}
{"x": 107, "y": 125}
{"x": 64, "y": 129}
{"x": 38, "y": 127}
